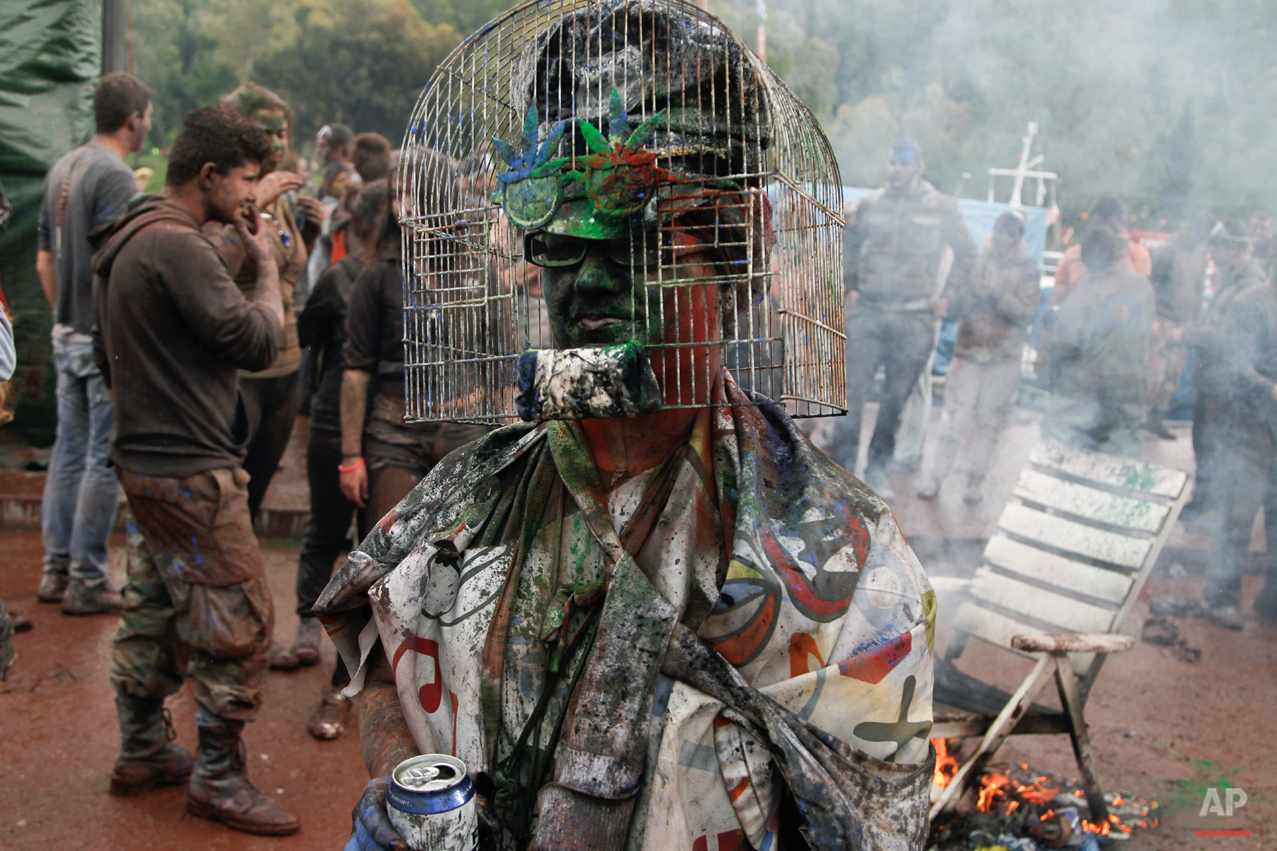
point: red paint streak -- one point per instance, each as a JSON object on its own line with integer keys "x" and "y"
{"x": 801, "y": 648}
{"x": 732, "y": 840}
{"x": 797, "y": 582}
{"x": 700, "y": 843}
{"x": 431, "y": 695}
{"x": 872, "y": 668}
{"x": 1223, "y": 833}
{"x": 388, "y": 521}
{"x": 739, "y": 790}
{"x": 740, "y": 647}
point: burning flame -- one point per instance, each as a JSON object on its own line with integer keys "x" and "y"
{"x": 946, "y": 766}
{"x": 991, "y": 788}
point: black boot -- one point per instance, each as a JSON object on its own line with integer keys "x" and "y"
{"x": 148, "y": 757}
{"x": 1155, "y": 425}
{"x": 220, "y": 788}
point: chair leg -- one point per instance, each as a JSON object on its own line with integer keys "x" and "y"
{"x": 1066, "y": 681}
{"x": 998, "y": 733}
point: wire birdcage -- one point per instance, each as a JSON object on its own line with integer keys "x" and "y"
{"x": 691, "y": 160}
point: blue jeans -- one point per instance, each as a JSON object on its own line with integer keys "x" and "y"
{"x": 81, "y": 494}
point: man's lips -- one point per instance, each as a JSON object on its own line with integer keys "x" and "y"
{"x": 595, "y": 323}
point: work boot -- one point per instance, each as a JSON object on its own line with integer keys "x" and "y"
{"x": 306, "y": 646}
{"x": 220, "y": 788}
{"x": 282, "y": 658}
{"x": 53, "y": 584}
{"x": 96, "y": 599}
{"x": 148, "y": 757}
{"x": 1155, "y": 425}
{"x": 930, "y": 488}
{"x": 328, "y": 721}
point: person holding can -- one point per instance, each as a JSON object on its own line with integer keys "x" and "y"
{"x": 656, "y": 616}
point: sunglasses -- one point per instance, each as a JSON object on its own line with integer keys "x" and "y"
{"x": 552, "y": 250}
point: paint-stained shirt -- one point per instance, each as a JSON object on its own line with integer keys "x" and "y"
{"x": 790, "y": 569}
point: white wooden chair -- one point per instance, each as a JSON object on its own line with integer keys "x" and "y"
{"x": 1071, "y": 553}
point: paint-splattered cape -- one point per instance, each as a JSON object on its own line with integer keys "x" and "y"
{"x": 820, "y": 620}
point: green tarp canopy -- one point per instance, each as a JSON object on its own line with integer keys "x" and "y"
{"x": 50, "y": 56}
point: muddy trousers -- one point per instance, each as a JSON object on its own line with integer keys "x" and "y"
{"x": 1245, "y": 460}
{"x": 196, "y": 600}
{"x": 901, "y": 341}
{"x": 977, "y": 400}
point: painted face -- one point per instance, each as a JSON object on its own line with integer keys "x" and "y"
{"x": 600, "y": 293}
{"x": 274, "y": 122}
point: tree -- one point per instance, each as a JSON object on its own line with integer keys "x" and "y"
{"x": 360, "y": 62}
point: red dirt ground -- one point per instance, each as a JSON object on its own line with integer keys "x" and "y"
{"x": 58, "y": 734}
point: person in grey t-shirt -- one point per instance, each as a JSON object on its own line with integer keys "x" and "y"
{"x": 85, "y": 190}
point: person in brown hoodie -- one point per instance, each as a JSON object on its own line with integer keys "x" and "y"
{"x": 172, "y": 330}
{"x": 994, "y": 307}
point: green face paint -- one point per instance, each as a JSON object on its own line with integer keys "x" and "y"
{"x": 276, "y": 126}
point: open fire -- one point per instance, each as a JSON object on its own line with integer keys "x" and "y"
{"x": 1014, "y": 800}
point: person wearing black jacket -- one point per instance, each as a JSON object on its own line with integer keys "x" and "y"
{"x": 321, "y": 328}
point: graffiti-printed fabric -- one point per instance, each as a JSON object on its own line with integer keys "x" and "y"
{"x": 764, "y": 550}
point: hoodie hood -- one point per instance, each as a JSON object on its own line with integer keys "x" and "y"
{"x": 142, "y": 211}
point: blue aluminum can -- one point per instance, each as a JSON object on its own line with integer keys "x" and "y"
{"x": 431, "y": 804}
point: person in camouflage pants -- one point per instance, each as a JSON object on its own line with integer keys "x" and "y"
{"x": 198, "y": 604}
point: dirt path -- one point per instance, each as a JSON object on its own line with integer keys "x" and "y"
{"x": 58, "y": 735}
{"x": 1168, "y": 730}
{"x": 1163, "y": 729}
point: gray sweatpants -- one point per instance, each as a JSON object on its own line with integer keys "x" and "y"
{"x": 977, "y": 399}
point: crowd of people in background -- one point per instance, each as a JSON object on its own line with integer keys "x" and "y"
{"x": 1117, "y": 334}
{"x": 189, "y": 337}
{"x": 192, "y": 327}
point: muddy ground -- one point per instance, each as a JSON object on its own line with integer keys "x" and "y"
{"x": 58, "y": 734}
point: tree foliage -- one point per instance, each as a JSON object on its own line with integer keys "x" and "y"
{"x": 360, "y": 62}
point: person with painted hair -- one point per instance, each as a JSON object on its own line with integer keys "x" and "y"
{"x": 652, "y": 615}
{"x": 272, "y": 396}
{"x": 895, "y": 295}
{"x": 994, "y": 309}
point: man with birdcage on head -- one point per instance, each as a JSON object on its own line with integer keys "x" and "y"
{"x": 652, "y": 615}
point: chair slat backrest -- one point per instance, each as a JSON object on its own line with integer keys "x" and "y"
{"x": 1073, "y": 549}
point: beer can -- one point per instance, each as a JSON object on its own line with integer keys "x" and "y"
{"x": 431, "y": 804}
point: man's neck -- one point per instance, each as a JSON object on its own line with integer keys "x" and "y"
{"x": 116, "y": 142}
{"x": 634, "y": 445}
{"x": 190, "y": 199}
